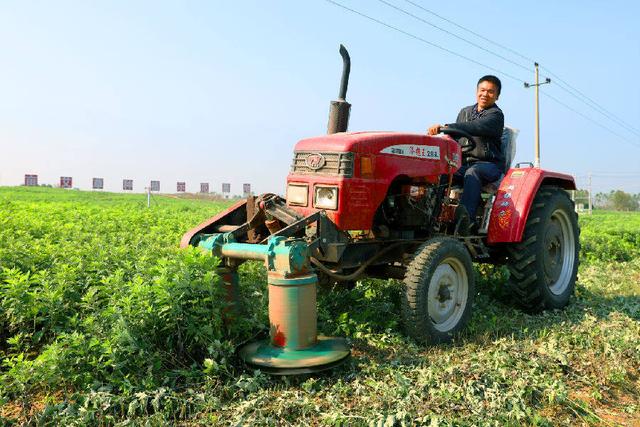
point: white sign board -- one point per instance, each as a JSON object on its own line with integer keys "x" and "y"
{"x": 127, "y": 184}
{"x": 66, "y": 182}
{"x": 181, "y": 187}
{"x": 31, "y": 180}
{"x": 246, "y": 189}
{"x": 204, "y": 187}
{"x": 155, "y": 186}
{"x": 98, "y": 183}
{"x": 226, "y": 187}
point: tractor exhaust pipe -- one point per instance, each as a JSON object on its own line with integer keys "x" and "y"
{"x": 339, "y": 109}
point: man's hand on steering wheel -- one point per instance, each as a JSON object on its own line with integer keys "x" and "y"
{"x": 466, "y": 146}
{"x": 434, "y": 130}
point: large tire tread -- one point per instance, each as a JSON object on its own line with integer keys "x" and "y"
{"x": 524, "y": 268}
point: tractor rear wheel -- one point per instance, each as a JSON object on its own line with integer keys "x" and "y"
{"x": 544, "y": 265}
{"x": 438, "y": 291}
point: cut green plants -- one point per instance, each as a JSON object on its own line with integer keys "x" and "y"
{"x": 105, "y": 321}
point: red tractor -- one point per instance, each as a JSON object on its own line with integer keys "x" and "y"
{"x": 381, "y": 204}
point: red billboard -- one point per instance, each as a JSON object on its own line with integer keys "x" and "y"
{"x": 31, "y": 180}
{"x": 66, "y": 182}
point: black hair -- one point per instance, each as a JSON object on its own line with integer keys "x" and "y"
{"x": 491, "y": 79}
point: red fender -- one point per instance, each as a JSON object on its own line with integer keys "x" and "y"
{"x": 514, "y": 198}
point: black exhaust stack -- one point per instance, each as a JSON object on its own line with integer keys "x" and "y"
{"x": 339, "y": 110}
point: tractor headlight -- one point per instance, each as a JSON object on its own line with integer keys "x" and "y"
{"x": 298, "y": 194}
{"x": 326, "y": 197}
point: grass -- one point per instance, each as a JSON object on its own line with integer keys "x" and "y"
{"x": 105, "y": 322}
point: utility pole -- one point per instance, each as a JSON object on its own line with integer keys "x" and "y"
{"x": 590, "y": 204}
{"x": 537, "y": 84}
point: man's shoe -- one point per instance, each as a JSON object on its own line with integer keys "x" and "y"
{"x": 473, "y": 229}
{"x": 462, "y": 221}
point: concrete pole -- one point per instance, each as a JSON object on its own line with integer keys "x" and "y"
{"x": 537, "y": 84}
{"x": 537, "y": 89}
{"x": 590, "y": 203}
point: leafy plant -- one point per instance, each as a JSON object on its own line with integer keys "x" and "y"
{"x": 105, "y": 321}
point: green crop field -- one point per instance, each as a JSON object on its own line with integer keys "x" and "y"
{"x": 104, "y": 321}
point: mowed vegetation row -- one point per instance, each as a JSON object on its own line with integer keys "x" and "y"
{"x": 104, "y": 320}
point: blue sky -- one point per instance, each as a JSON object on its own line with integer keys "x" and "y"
{"x": 212, "y": 91}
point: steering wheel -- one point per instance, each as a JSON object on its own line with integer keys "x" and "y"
{"x": 457, "y": 133}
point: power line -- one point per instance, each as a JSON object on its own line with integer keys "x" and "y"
{"x": 591, "y": 120}
{"x": 600, "y": 175}
{"x": 470, "y": 31}
{"x": 607, "y": 176}
{"x": 413, "y": 36}
{"x": 595, "y": 104}
{"x": 591, "y": 104}
{"x": 453, "y": 34}
{"x": 569, "y": 88}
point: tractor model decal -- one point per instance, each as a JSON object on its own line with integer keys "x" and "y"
{"x": 504, "y": 218}
{"x": 315, "y": 161}
{"x": 418, "y": 151}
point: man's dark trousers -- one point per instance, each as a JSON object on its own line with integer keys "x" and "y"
{"x": 474, "y": 176}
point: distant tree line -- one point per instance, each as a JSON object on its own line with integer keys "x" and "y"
{"x": 617, "y": 200}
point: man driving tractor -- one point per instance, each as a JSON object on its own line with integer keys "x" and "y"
{"x": 391, "y": 184}
{"x": 485, "y": 163}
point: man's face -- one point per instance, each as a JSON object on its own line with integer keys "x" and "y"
{"x": 486, "y": 95}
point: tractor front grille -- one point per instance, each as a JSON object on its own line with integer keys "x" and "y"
{"x": 337, "y": 164}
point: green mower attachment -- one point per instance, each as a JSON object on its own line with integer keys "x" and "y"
{"x": 294, "y": 346}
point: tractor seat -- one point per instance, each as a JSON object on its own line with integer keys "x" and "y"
{"x": 508, "y": 147}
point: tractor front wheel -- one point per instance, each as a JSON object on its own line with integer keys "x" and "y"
{"x": 544, "y": 265}
{"x": 438, "y": 291}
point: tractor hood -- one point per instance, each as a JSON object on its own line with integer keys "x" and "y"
{"x": 361, "y": 142}
{"x": 361, "y": 166}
